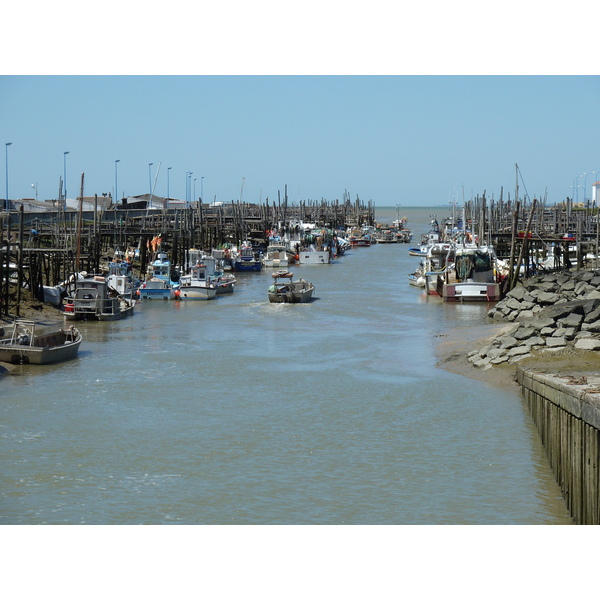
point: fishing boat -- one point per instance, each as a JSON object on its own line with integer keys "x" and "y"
{"x": 225, "y": 282}
{"x": 276, "y": 256}
{"x": 196, "y": 285}
{"x": 287, "y": 291}
{"x": 214, "y": 264}
{"x": 94, "y": 299}
{"x": 362, "y": 238}
{"x": 440, "y": 257}
{"x": 120, "y": 277}
{"x": 472, "y": 278}
{"x": 160, "y": 283}
{"x": 246, "y": 259}
{"x": 26, "y": 346}
{"x": 417, "y": 278}
{"x": 433, "y": 236}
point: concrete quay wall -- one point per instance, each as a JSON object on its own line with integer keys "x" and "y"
{"x": 566, "y": 412}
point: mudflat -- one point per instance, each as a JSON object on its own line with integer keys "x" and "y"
{"x": 453, "y": 348}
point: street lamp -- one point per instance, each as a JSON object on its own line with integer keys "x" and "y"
{"x": 168, "y": 191}
{"x": 34, "y": 186}
{"x": 202, "y": 188}
{"x": 116, "y": 181}
{"x": 7, "y": 144}
{"x": 65, "y": 175}
{"x": 150, "y": 182}
{"x": 578, "y": 186}
{"x": 194, "y": 198}
{"x": 187, "y": 187}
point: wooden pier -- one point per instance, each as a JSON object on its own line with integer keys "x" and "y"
{"x": 46, "y": 248}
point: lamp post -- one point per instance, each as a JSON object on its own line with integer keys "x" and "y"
{"x": 65, "y": 176}
{"x": 187, "y": 187}
{"x": 202, "y": 188}
{"x": 34, "y": 186}
{"x": 150, "y": 183}
{"x": 168, "y": 191}
{"x": 116, "y": 181}
{"x": 578, "y": 186}
{"x": 194, "y": 197}
{"x": 7, "y": 144}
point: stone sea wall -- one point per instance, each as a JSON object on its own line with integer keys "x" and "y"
{"x": 557, "y": 313}
{"x": 550, "y": 313}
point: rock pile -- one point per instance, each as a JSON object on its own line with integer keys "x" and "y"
{"x": 550, "y": 313}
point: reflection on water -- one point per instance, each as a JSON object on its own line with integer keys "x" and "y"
{"x": 239, "y": 411}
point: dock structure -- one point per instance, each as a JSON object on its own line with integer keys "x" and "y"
{"x": 46, "y": 248}
{"x": 524, "y": 231}
{"x": 566, "y": 412}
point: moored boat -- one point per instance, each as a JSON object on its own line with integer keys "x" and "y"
{"x": 285, "y": 290}
{"x": 26, "y": 346}
{"x": 246, "y": 259}
{"x": 94, "y": 299}
{"x": 473, "y": 277}
{"x": 276, "y": 256}
{"x": 214, "y": 263}
{"x": 196, "y": 285}
{"x": 160, "y": 283}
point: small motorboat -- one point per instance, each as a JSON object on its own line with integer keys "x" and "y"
{"x": 288, "y": 291}
{"x": 26, "y": 346}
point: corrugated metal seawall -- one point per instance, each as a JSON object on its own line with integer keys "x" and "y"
{"x": 566, "y": 412}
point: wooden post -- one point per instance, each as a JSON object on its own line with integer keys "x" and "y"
{"x": 524, "y": 244}
{"x": 511, "y": 264}
{"x": 20, "y": 263}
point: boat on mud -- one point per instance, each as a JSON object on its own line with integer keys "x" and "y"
{"x": 94, "y": 299}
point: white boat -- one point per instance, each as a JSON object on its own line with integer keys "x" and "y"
{"x": 285, "y": 290}
{"x": 120, "y": 278}
{"x": 159, "y": 284}
{"x": 94, "y": 299}
{"x": 472, "y": 278}
{"x": 433, "y": 236}
{"x": 26, "y": 346}
{"x": 309, "y": 245}
{"x": 417, "y": 279}
{"x": 439, "y": 257}
{"x": 276, "y": 256}
{"x": 214, "y": 263}
{"x": 196, "y": 285}
{"x": 311, "y": 256}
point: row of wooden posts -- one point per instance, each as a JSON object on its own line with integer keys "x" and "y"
{"x": 68, "y": 242}
{"x": 60, "y": 243}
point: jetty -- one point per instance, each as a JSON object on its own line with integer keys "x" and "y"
{"x": 47, "y": 248}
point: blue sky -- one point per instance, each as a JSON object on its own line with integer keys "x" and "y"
{"x": 395, "y": 108}
{"x": 413, "y": 140}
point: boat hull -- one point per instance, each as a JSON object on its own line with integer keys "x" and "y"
{"x": 226, "y": 287}
{"x": 195, "y": 292}
{"x": 294, "y": 292}
{"x": 248, "y": 266}
{"x": 86, "y": 316}
{"x": 470, "y": 291}
{"x": 317, "y": 257}
{"x": 49, "y": 348}
{"x": 156, "y": 294}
